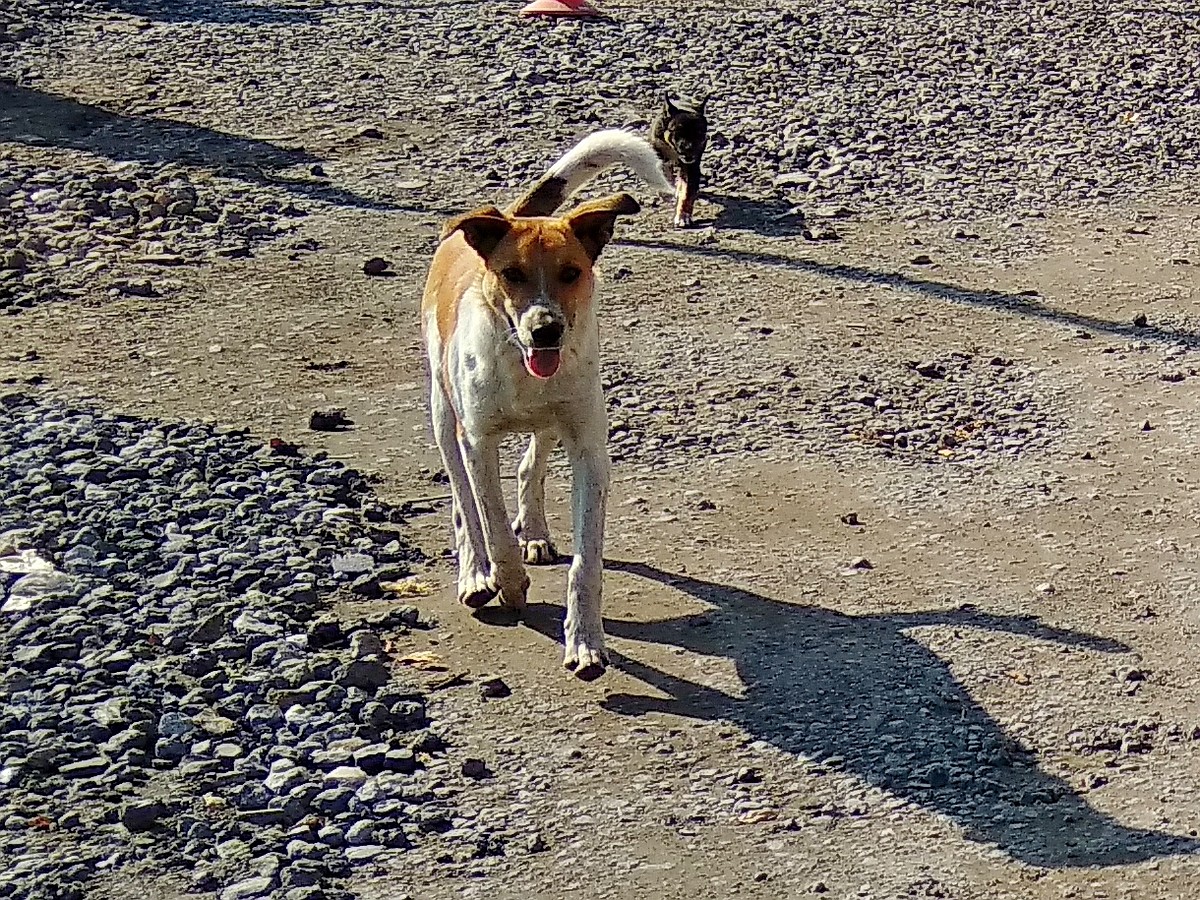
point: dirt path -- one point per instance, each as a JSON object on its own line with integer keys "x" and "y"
{"x": 986, "y": 688}
{"x": 1008, "y": 687}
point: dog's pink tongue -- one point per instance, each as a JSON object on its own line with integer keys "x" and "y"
{"x": 542, "y": 363}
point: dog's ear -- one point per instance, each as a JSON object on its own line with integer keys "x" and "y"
{"x": 669, "y": 105}
{"x": 701, "y": 102}
{"x": 592, "y": 222}
{"x": 483, "y": 228}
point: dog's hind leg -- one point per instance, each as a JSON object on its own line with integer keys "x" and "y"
{"x": 530, "y": 526}
{"x": 481, "y": 458}
{"x": 584, "y": 627}
{"x": 474, "y": 589}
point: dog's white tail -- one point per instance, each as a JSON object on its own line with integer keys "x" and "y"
{"x": 584, "y": 162}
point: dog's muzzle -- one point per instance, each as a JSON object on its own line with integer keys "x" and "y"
{"x": 547, "y": 337}
{"x": 541, "y": 342}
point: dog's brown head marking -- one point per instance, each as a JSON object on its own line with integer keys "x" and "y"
{"x": 483, "y": 229}
{"x": 535, "y": 273}
{"x": 593, "y": 222}
{"x": 683, "y": 126}
{"x": 547, "y": 262}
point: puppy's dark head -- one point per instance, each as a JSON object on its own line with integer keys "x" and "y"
{"x": 686, "y": 126}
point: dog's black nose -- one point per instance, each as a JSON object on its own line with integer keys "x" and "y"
{"x": 547, "y": 335}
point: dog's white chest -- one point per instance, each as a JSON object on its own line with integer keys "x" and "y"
{"x": 493, "y": 392}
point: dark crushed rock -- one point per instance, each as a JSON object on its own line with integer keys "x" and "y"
{"x": 493, "y": 687}
{"x": 376, "y": 265}
{"x": 329, "y": 420}
{"x": 179, "y": 701}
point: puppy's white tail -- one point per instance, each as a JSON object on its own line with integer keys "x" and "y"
{"x": 584, "y": 162}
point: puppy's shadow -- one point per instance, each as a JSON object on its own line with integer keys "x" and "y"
{"x": 768, "y": 216}
{"x": 861, "y": 695}
{"x": 500, "y": 616}
{"x": 538, "y": 616}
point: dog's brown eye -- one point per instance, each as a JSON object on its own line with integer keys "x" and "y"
{"x": 513, "y": 275}
{"x": 569, "y": 274}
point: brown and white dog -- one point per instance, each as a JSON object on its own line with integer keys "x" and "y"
{"x": 510, "y": 326}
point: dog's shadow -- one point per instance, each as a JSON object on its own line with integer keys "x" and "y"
{"x": 768, "y": 216}
{"x": 860, "y": 695}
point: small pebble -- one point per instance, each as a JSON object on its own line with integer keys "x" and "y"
{"x": 493, "y": 687}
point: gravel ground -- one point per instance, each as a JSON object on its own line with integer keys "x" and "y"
{"x": 902, "y": 436}
{"x": 928, "y": 411}
{"x": 178, "y": 695}
{"x": 67, "y": 232}
{"x": 949, "y": 110}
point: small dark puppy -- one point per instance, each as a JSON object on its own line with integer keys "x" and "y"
{"x": 679, "y": 134}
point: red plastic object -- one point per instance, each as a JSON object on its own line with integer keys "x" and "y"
{"x": 579, "y": 8}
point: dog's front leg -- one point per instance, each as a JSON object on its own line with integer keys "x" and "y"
{"x": 687, "y": 185}
{"x": 584, "y": 626}
{"x": 530, "y": 525}
{"x": 473, "y": 587}
{"x": 481, "y": 456}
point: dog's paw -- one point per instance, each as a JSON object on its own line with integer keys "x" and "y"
{"x": 538, "y": 552}
{"x": 586, "y": 657}
{"x": 512, "y": 588}
{"x": 475, "y": 590}
{"x": 533, "y": 535}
